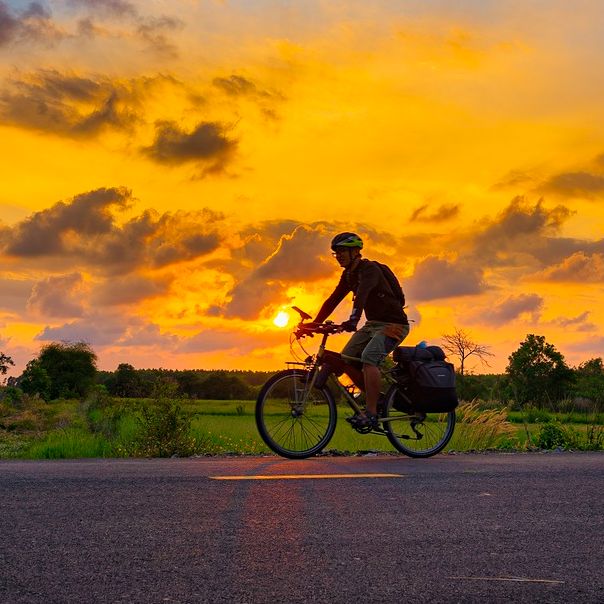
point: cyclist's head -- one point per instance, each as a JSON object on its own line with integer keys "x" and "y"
{"x": 346, "y": 240}
{"x": 346, "y": 248}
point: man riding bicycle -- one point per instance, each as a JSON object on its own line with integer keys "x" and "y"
{"x": 377, "y": 293}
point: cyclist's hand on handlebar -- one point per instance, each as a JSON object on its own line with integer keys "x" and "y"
{"x": 349, "y": 325}
{"x": 306, "y": 329}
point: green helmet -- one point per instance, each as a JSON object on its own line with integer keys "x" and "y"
{"x": 346, "y": 240}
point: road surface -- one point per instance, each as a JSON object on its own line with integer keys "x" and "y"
{"x": 453, "y": 528}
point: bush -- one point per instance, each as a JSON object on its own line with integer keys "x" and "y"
{"x": 163, "y": 431}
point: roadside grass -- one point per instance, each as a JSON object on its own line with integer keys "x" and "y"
{"x": 103, "y": 426}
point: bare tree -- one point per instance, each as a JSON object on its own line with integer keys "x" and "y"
{"x": 461, "y": 345}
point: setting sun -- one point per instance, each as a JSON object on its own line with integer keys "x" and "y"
{"x": 282, "y": 319}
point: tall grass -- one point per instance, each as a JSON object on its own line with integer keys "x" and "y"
{"x": 477, "y": 430}
{"x": 70, "y": 443}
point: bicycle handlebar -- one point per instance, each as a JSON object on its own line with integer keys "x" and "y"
{"x": 305, "y": 329}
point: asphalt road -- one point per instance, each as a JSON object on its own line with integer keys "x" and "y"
{"x": 459, "y": 528}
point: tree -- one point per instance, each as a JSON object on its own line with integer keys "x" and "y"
{"x": 126, "y": 381}
{"x": 5, "y": 362}
{"x": 590, "y": 380}
{"x": 71, "y": 368}
{"x": 221, "y": 386}
{"x": 35, "y": 380}
{"x": 461, "y": 345}
{"x": 538, "y": 372}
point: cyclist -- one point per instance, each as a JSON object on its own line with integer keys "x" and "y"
{"x": 376, "y": 292}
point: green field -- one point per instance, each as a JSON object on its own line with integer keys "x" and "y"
{"x": 124, "y": 427}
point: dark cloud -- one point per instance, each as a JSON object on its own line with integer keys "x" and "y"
{"x": 239, "y": 87}
{"x": 444, "y": 212}
{"x": 45, "y": 232}
{"x": 236, "y": 85}
{"x": 436, "y": 277}
{"x": 85, "y": 231}
{"x": 60, "y": 296}
{"x": 579, "y": 323}
{"x": 578, "y": 268}
{"x": 68, "y": 105}
{"x": 130, "y": 289}
{"x": 511, "y": 308}
{"x": 520, "y": 228}
{"x": 575, "y": 184}
{"x": 34, "y": 24}
{"x": 207, "y": 142}
{"x": 9, "y": 25}
{"x": 153, "y": 31}
{"x": 115, "y": 8}
{"x": 301, "y": 256}
{"x": 513, "y": 180}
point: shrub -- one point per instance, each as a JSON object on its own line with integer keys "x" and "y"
{"x": 163, "y": 431}
{"x": 552, "y": 436}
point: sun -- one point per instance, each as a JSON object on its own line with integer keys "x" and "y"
{"x": 282, "y": 319}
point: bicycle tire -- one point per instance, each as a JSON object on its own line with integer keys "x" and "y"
{"x": 289, "y": 428}
{"x": 435, "y": 431}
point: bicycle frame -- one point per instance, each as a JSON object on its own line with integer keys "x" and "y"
{"x": 313, "y": 364}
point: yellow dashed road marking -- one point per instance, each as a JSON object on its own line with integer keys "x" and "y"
{"x": 304, "y": 476}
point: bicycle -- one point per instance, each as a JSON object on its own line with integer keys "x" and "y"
{"x": 296, "y": 411}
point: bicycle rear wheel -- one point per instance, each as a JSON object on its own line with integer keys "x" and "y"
{"x": 419, "y": 434}
{"x": 292, "y": 419}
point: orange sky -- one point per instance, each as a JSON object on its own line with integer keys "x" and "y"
{"x": 173, "y": 171}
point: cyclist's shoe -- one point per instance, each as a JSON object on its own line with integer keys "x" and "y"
{"x": 364, "y": 421}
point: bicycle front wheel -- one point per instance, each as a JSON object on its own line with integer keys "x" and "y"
{"x": 417, "y": 434}
{"x": 294, "y": 420}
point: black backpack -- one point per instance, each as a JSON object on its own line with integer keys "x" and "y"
{"x": 391, "y": 281}
{"x": 427, "y": 380}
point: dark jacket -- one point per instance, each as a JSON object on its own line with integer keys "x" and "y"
{"x": 372, "y": 294}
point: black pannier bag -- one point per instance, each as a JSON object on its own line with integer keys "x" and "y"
{"x": 429, "y": 381}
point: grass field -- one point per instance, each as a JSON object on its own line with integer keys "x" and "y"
{"x": 72, "y": 429}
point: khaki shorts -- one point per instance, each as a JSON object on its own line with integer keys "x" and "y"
{"x": 374, "y": 342}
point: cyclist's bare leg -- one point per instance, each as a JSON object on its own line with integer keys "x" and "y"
{"x": 373, "y": 381}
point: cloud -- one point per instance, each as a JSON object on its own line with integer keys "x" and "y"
{"x": 578, "y": 268}
{"x": 207, "y": 142}
{"x": 15, "y": 293}
{"x": 110, "y": 330}
{"x": 593, "y": 346}
{"x": 69, "y": 105}
{"x": 578, "y": 323}
{"x": 511, "y": 308}
{"x": 575, "y": 184}
{"x": 9, "y": 25}
{"x": 299, "y": 257}
{"x": 153, "y": 31}
{"x": 520, "y": 228}
{"x": 114, "y": 8}
{"x": 436, "y": 277}
{"x": 60, "y": 296}
{"x": 236, "y": 85}
{"x": 34, "y": 24}
{"x": 85, "y": 231}
{"x": 441, "y": 214}
{"x": 87, "y": 214}
{"x": 130, "y": 289}
{"x": 513, "y": 180}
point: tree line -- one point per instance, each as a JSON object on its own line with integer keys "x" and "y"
{"x": 537, "y": 373}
